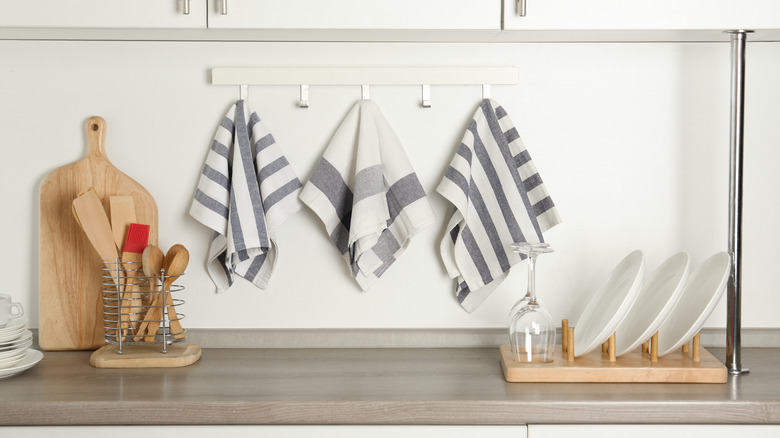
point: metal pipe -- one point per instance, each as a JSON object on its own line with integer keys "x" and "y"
{"x": 734, "y": 292}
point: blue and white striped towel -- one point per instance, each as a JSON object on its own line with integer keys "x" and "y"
{"x": 246, "y": 190}
{"x": 367, "y": 194}
{"x": 498, "y": 198}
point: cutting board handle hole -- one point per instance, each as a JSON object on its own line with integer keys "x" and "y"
{"x": 95, "y": 127}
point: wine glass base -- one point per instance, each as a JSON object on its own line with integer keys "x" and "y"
{"x": 534, "y": 361}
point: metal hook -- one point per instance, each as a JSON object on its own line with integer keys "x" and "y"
{"x": 304, "y": 103}
{"x": 243, "y": 91}
{"x": 364, "y": 92}
{"x": 426, "y": 96}
{"x": 486, "y": 91}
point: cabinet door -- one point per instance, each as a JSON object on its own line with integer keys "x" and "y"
{"x": 266, "y": 431}
{"x": 642, "y": 15}
{"x": 652, "y": 431}
{"x": 104, "y": 14}
{"x": 355, "y": 14}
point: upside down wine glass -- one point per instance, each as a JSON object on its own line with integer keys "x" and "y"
{"x": 531, "y": 330}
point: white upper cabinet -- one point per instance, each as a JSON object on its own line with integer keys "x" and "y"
{"x": 104, "y": 14}
{"x": 642, "y": 15}
{"x": 355, "y": 14}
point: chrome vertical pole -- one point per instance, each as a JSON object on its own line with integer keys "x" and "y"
{"x": 734, "y": 298}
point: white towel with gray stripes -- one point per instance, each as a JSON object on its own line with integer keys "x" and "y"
{"x": 247, "y": 189}
{"x": 498, "y": 199}
{"x": 367, "y": 194}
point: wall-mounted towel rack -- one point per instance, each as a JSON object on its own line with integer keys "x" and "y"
{"x": 365, "y": 76}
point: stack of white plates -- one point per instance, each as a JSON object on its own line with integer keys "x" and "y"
{"x": 15, "y": 353}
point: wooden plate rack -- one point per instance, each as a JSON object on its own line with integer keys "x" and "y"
{"x": 687, "y": 365}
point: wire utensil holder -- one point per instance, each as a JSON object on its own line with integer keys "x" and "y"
{"x": 140, "y": 309}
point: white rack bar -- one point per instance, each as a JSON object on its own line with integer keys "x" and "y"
{"x": 364, "y": 75}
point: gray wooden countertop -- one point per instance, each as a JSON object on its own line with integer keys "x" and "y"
{"x": 367, "y": 386}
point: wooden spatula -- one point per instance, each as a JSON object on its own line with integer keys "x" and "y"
{"x": 122, "y": 210}
{"x": 92, "y": 218}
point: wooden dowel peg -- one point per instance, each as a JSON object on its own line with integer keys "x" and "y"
{"x": 570, "y": 344}
{"x": 605, "y": 347}
{"x": 612, "y": 350}
{"x": 645, "y": 347}
{"x": 686, "y": 347}
{"x": 564, "y": 335}
{"x": 654, "y": 348}
{"x": 697, "y": 347}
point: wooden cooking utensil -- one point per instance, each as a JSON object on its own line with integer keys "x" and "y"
{"x": 152, "y": 262}
{"x": 89, "y": 213}
{"x": 122, "y": 211}
{"x": 174, "y": 263}
{"x": 135, "y": 244}
{"x": 70, "y": 313}
{"x": 179, "y": 258}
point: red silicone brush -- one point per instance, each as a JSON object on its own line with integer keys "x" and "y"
{"x": 136, "y": 241}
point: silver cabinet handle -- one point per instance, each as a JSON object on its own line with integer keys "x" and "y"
{"x": 224, "y": 7}
{"x": 186, "y": 7}
{"x": 521, "y": 8}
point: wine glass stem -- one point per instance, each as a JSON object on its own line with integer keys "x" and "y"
{"x": 532, "y": 277}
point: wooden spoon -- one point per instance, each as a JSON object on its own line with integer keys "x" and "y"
{"x": 152, "y": 262}
{"x": 175, "y": 262}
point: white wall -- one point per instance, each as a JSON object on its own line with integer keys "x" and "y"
{"x": 631, "y": 139}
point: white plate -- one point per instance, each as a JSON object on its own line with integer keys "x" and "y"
{"x": 11, "y": 344}
{"x": 14, "y": 351}
{"x": 609, "y": 305}
{"x": 11, "y": 335}
{"x": 700, "y": 295}
{"x": 14, "y": 324}
{"x": 658, "y": 296}
{"x": 30, "y": 359}
{"x": 11, "y": 361}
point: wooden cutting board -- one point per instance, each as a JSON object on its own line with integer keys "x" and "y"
{"x": 69, "y": 271}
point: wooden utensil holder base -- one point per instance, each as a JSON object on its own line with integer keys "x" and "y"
{"x": 145, "y": 356}
{"x": 639, "y": 366}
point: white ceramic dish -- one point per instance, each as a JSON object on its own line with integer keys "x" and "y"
{"x": 13, "y": 360}
{"x": 656, "y": 299}
{"x": 11, "y": 335}
{"x": 18, "y": 339}
{"x": 14, "y": 324}
{"x": 699, "y": 298}
{"x": 30, "y": 359}
{"x": 610, "y": 304}
{"x": 4, "y": 354}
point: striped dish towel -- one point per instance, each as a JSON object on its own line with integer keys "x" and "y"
{"x": 366, "y": 193}
{"x": 498, "y": 199}
{"x": 246, "y": 190}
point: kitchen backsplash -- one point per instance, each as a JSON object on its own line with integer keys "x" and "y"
{"x": 632, "y": 141}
